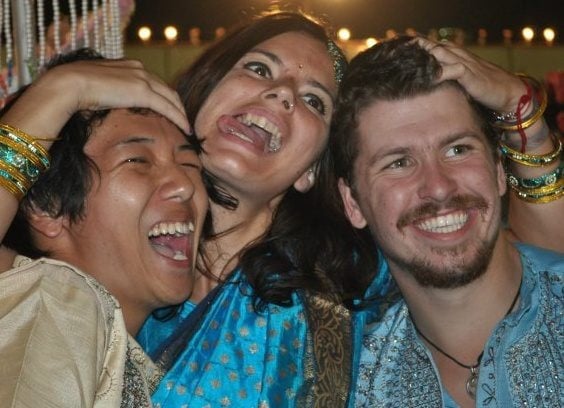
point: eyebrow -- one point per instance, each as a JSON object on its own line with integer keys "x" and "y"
{"x": 135, "y": 139}
{"x": 145, "y": 139}
{"x": 275, "y": 59}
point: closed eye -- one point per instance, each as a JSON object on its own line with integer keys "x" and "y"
{"x": 192, "y": 166}
{"x": 259, "y": 68}
{"x": 136, "y": 160}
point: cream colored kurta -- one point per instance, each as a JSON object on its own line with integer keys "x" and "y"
{"x": 63, "y": 341}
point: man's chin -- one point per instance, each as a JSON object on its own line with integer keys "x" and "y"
{"x": 448, "y": 268}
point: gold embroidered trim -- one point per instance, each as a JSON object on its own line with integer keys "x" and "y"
{"x": 331, "y": 340}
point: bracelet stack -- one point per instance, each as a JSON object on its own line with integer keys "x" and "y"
{"x": 22, "y": 160}
{"x": 542, "y": 189}
{"x": 549, "y": 186}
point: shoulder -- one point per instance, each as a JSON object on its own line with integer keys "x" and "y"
{"x": 58, "y": 327}
{"x": 541, "y": 259}
{"x": 56, "y": 281}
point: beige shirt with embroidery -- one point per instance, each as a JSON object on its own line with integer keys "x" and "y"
{"x": 63, "y": 341}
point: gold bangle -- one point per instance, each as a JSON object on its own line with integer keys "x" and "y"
{"x": 541, "y": 199}
{"x": 533, "y": 160}
{"x": 16, "y": 175}
{"x": 535, "y": 117}
{"x": 20, "y": 134}
{"x": 46, "y": 139}
{"x": 23, "y": 151}
{"x": 538, "y": 191}
{"x": 11, "y": 188}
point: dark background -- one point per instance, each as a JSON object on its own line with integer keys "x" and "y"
{"x": 363, "y": 17}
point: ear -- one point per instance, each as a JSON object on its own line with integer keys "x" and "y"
{"x": 306, "y": 180}
{"x": 45, "y": 224}
{"x": 352, "y": 209}
{"x": 501, "y": 178}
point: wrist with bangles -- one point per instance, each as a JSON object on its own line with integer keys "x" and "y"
{"x": 536, "y": 96}
{"x": 22, "y": 160}
{"x": 547, "y": 187}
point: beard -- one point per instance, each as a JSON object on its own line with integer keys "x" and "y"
{"x": 451, "y": 274}
{"x": 458, "y": 267}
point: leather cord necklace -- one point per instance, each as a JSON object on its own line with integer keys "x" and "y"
{"x": 472, "y": 381}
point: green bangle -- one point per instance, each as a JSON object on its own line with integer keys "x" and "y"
{"x": 533, "y": 160}
{"x": 547, "y": 179}
{"x": 20, "y": 162}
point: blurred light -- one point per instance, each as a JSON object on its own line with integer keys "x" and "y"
{"x": 171, "y": 33}
{"x": 482, "y": 36}
{"x": 344, "y": 34}
{"x": 371, "y": 41}
{"x": 391, "y": 33}
{"x": 144, "y": 33}
{"x": 549, "y": 34}
{"x": 194, "y": 35}
{"x": 528, "y": 34}
{"x": 412, "y": 32}
{"x": 220, "y": 32}
{"x": 507, "y": 36}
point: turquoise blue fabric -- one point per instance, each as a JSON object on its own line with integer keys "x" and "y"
{"x": 238, "y": 358}
{"x": 523, "y": 363}
{"x": 382, "y": 287}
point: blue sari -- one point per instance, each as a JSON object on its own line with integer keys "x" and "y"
{"x": 232, "y": 355}
{"x": 237, "y": 357}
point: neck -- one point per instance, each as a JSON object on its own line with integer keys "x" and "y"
{"x": 134, "y": 317}
{"x": 235, "y": 230}
{"x": 464, "y": 317}
{"x": 7, "y": 257}
{"x": 459, "y": 321}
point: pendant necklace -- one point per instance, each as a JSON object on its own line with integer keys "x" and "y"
{"x": 472, "y": 381}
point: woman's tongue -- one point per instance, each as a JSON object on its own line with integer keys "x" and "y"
{"x": 251, "y": 134}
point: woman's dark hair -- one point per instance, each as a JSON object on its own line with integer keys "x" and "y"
{"x": 295, "y": 252}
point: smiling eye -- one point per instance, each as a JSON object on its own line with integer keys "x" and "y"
{"x": 192, "y": 166}
{"x": 136, "y": 160}
{"x": 457, "y": 150}
{"x": 259, "y": 68}
{"x": 316, "y": 102}
{"x": 398, "y": 164}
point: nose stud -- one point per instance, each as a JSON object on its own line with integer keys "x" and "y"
{"x": 287, "y": 105}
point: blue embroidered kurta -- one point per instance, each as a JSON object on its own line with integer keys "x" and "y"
{"x": 523, "y": 362}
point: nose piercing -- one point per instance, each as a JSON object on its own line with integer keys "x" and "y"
{"x": 287, "y": 105}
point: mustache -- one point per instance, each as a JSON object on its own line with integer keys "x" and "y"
{"x": 459, "y": 202}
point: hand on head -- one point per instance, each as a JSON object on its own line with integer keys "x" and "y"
{"x": 489, "y": 84}
{"x": 91, "y": 84}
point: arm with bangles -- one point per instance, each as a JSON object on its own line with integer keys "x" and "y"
{"x": 534, "y": 218}
{"x": 530, "y": 151}
{"x": 30, "y": 125}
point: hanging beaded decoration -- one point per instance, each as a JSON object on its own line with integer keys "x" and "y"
{"x": 84, "y": 23}
{"x": 29, "y": 41}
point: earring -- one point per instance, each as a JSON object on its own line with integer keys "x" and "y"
{"x": 310, "y": 176}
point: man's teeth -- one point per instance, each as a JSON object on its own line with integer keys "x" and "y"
{"x": 171, "y": 228}
{"x": 445, "y": 223}
{"x": 250, "y": 119}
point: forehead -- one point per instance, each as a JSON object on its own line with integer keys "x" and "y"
{"x": 122, "y": 124}
{"x": 419, "y": 120}
{"x": 302, "y": 51}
